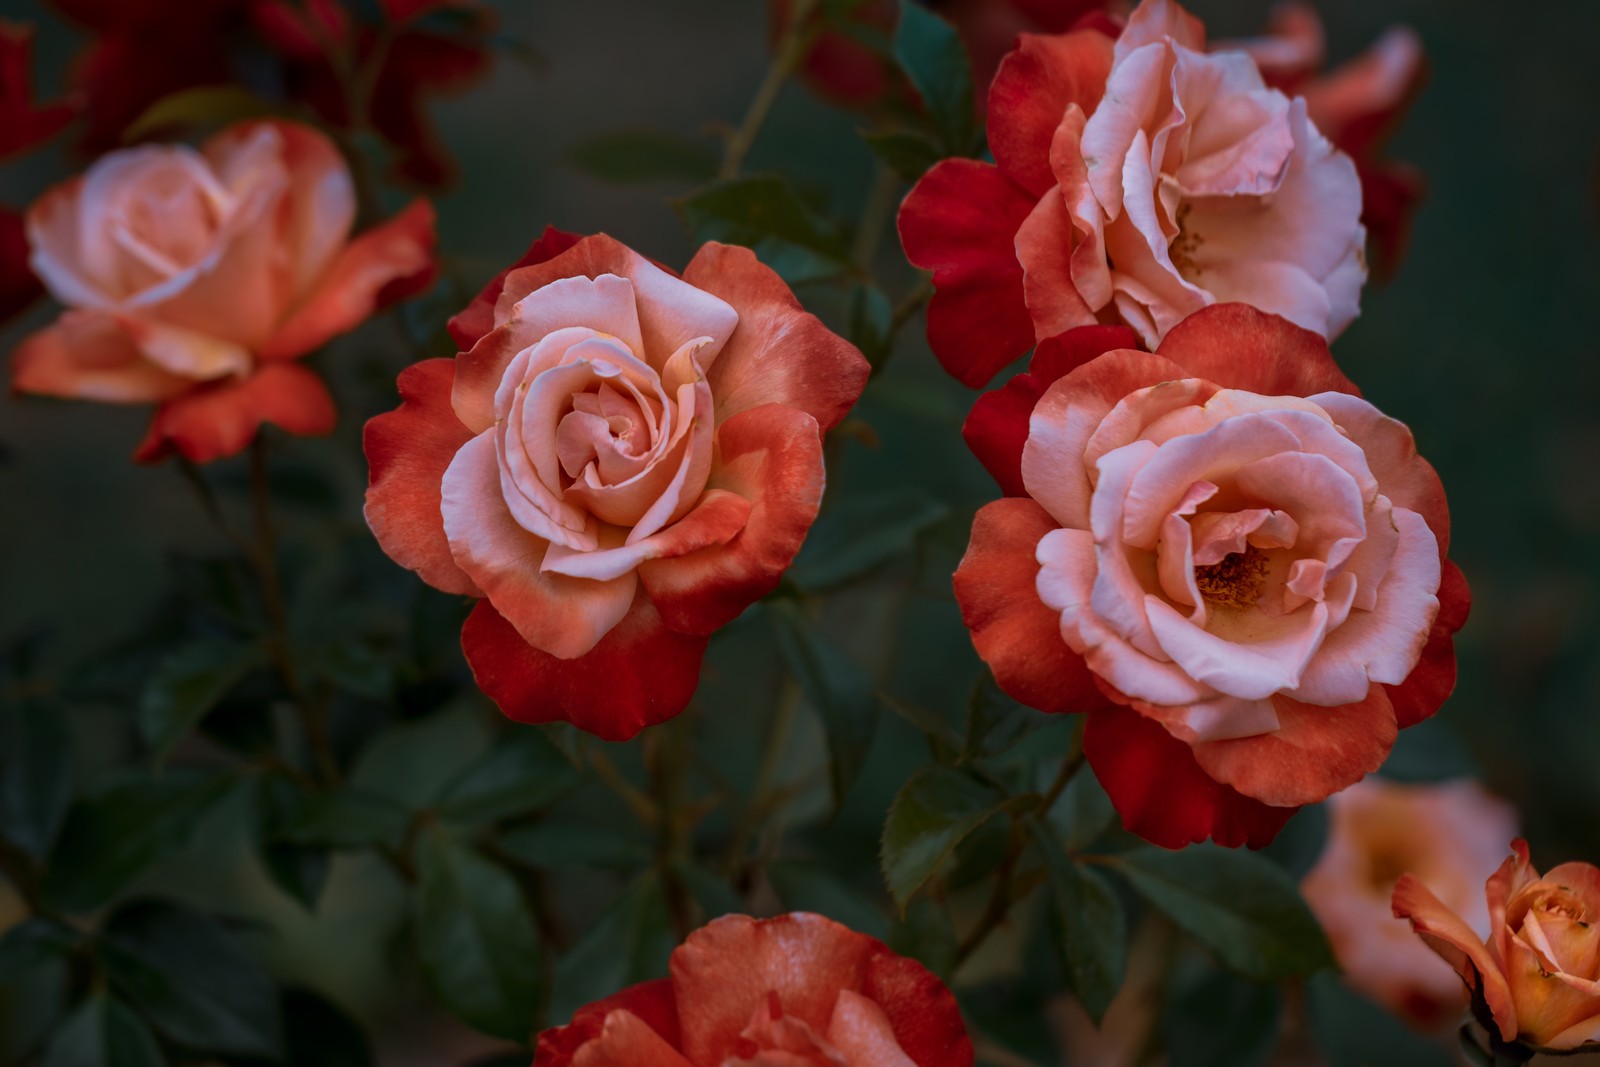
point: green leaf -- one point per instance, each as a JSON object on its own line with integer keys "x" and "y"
{"x": 351, "y": 818}
{"x": 1087, "y": 919}
{"x": 930, "y": 52}
{"x": 626, "y": 157}
{"x": 301, "y": 871}
{"x": 930, "y": 816}
{"x": 837, "y": 687}
{"x": 1215, "y": 1019}
{"x": 31, "y": 944}
{"x": 763, "y": 212}
{"x": 189, "y": 683}
{"x": 630, "y": 943}
{"x": 813, "y": 887}
{"x": 858, "y": 534}
{"x": 1244, "y": 908}
{"x": 996, "y": 722}
{"x": 561, "y": 845}
{"x": 103, "y": 1033}
{"x": 476, "y": 939}
{"x": 1083, "y": 814}
{"x": 317, "y": 1033}
{"x": 1352, "y": 1031}
{"x": 113, "y": 836}
{"x": 36, "y": 773}
{"x": 925, "y": 934}
{"x": 191, "y": 980}
{"x": 910, "y": 155}
{"x": 523, "y": 772}
{"x": 212, "y": 105}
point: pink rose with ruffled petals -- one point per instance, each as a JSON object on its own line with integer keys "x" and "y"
{"x": 1191, "y": 184}
{"x": 194, "y": 278}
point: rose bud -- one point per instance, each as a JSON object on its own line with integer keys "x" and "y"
{"x": 798, "y": 990}
{"x": 1451, "y": 834}
{"x": 1536, "y": 978}
{"x": 1223, "y": 555}
{"x": 619, "y": 462}
{"x": 1135, "y": 180}
{"x": 195, "y": 279}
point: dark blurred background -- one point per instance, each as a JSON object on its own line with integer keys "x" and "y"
{"x": 1483, "y": 343}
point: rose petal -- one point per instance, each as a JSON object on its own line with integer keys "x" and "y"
{"x": 408, "y": 451}
{"x": 1239, "y": 347}
{"x": 861, "y": 1031}
{"x": 641, "y": 673}
{"x": 1432, "y": 679}
{"x": 716, "y": 519}
{"x": 477, "y": 318}
{"x": 652, "y": 1002}
{"x": 1443, "y": 931}
{"x": 89, "y": 356}
{"x": 220, "y": 420}
{"x": 1033, "y": 89}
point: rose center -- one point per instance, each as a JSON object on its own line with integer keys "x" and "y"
{"x": 1234, "y": 581}
{"x": 1185, "y": 245}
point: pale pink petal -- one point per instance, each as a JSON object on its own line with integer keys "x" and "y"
{"x": 1391, "y": 452}
{"x": 860, "y": 1030}
{"x": 1161, "y": 20}
{"x": 717, "y": 518}
{"x": 605, "y": 304}
{"x": 1271, "y": 661}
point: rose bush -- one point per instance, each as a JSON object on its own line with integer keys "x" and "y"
{"x": 195, "y": 278}
{"x": 798, "y": 990}
{"x": 1137, "y": 180}
{"x": 1450, "y": 834}
{"x": 619, "y": 462}
{"x": 1234, "y": 564}
{"x": 1536, "y": 977}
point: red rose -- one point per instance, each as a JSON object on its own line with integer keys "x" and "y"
{"x": 798, "y": 990}
{"x": 1224, "y": 556}
{"x": 619, "y": 462}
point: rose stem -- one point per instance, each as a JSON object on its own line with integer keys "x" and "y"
{"x": 792, "y": 47}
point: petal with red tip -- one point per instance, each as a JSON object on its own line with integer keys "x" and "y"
{"x": 1239, "y": 347}
{"x": 652, "y": 1002}
{"x": 220, "y": 420}
{"x": 477, "y": 319}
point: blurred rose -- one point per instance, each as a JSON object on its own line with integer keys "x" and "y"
{"x": 193, "y": 279}
{"x": 1537, "y": 974}
{"x": 1357, "y": 106}
{"x": 1450, "y": 836}
{"x": 798, "y": 991}
{"x": 1230, "y": 561}
{"x": 619, "y": 462}
{"x": 1191, "y": 183}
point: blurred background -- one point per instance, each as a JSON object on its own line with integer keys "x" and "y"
{"x": 1482, "y": 343}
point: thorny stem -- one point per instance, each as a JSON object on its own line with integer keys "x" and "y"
{"x": 792, "y": 46}
{"x": 1001, "y": 897}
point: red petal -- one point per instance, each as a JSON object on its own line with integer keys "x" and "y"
{"x": 772, "y": 457}
{"x": 640, "y": 673}
{"x": 386, "y": 262}
{"x": 1434, "y": 677}
{"x": 1162, "y": 794}
{"x": 779, "y": 353}
{"x": 477, "y": 318}
{"x": 651, "y": 1001}
{"x": 1032, "y": 91}
{"x": 960, "y": 222}
{"x": 926, "y": 1019}
{"x": 1314, "y": 753}
{"x": 997, "y": 427}
{"x": 1012, "y": 629}
{"x": 217, "y": 421}
{"x": 408, "y": 450}
{"x": 1239, "y": 347}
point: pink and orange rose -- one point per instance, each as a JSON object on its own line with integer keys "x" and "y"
{"x": 798, "y": 990}
{"x": 1136, "y": 180}
{"x": 1536, "y": 977}
{"x": 194, "y": 279}
{"x": 618, "y": 463}
{"x": 1223, "y": 555}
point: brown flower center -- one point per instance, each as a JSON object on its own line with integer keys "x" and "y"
{"x": 1185, "y": 245}
{"x": 1234, "y": 581}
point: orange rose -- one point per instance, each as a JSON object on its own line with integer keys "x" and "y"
{"x": 1538, "y": 976}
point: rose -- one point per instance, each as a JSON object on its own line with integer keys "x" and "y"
{"x": 194, "y": 278}
{"x": 799, "y": 990}
{"x": 1138, "y": 180}
{"x": 1357, "y": 106}
{"x": 1229, "y": 560}
{"x": 1450, "y": 833}
{"x": 619, "y": 462}
{"x": 1536, "y": 979}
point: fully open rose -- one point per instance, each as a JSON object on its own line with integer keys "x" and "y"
{"x": 1135, "y": 180}
{"x": 619, "y": 462}
{"x": 1451, "y": 835}
{"x": 1536, "y": 977}
{"x": 1225, "y": 556}
{"x": 194, "y": 279}
{"x": 797, "y": 991}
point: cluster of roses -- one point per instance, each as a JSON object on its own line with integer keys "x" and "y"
{"x": 1208, "y": 543}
